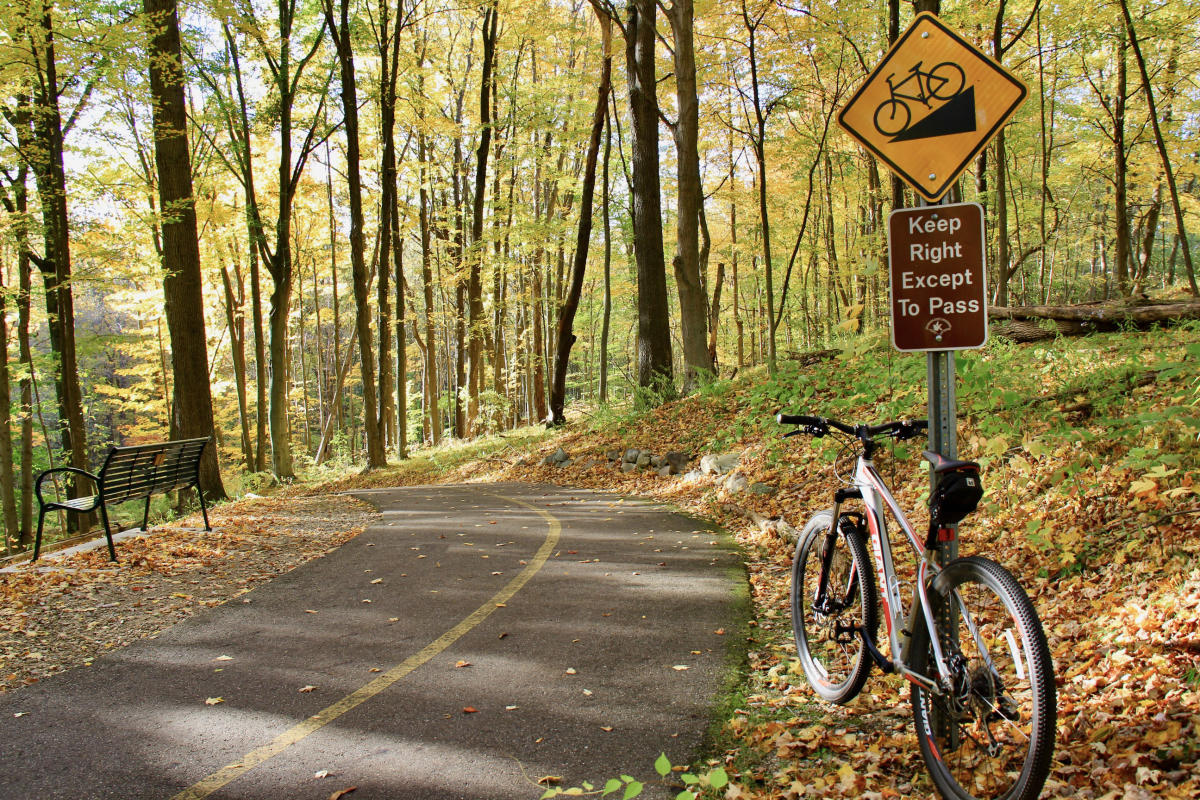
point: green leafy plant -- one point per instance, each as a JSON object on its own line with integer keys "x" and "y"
{"x": 627, "y": 787}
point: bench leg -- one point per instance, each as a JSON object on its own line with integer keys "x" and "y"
{"x": 37, "y": 542}
{"x": 146, "y": 517}
{"x": 203, "y": 508}
{"x": 112, "y": 552}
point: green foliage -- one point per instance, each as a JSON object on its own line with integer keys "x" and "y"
{"x": 708, "y": 783}
{"x": 659, "y": 392}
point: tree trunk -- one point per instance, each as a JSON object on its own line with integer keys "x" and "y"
{"x": 50, "y": 177}
{"x": 390, "y": 234}
{"x": 655, "y": 370}
{"x": 235, "y": 317}
{"x": 566, "y": 316}
{"x": 1106, "y": 314}
{"x": 1162, "y": 149}
{"x": 340, "y": 29}
{"x": 182, "y": 281}
{"x": 475, "y": 322}
{"x": 26, "y": 354}
{"x": 258, "y": 246}
{"x": 1121, "y": 170}
{"x": 238, "y": 123}
{"x": 759, "y": 141}
{"x": 693, "y": 303}
{"x": 17, "y": 206}
{"x": 430, "y": 349}
{"x": 606, "y": 321}
{"x": 8, "y": 494}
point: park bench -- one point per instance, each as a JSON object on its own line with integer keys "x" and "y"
{"x": 130, "y": 473}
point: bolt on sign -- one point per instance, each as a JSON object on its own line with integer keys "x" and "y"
{"x": 938, "y": 277}
{"x": 931, "y": 105}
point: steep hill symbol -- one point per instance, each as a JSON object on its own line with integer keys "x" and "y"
{"x": 957, "y": 115}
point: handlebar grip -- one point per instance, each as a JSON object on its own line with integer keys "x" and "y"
{"x": 797, "y": 419}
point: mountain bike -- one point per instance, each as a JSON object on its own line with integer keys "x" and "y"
{"x": 968, "y": 640}
{"x": 941, "y": 82}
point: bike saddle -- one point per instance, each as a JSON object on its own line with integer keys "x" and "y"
{"x": 942, "y": 464}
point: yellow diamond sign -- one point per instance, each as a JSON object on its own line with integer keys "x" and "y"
{"x": 931, "y": 105}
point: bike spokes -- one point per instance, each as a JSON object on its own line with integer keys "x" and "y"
{"x": 988, "y": 733}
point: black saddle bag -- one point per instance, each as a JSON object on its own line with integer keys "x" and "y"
{"x": 957, "y": 494}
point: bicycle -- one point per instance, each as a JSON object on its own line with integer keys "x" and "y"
{"x": 970, "y": 643}
{"x": 942, "y": 82}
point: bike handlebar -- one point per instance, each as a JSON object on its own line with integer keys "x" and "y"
{"x": 819, "y": 426}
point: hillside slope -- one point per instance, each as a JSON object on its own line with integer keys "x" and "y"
{"x": 1092, "y": 466}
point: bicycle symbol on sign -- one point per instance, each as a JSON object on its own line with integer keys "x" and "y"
{"x": 942, "y": 82}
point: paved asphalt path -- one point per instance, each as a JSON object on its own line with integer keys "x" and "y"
{"x": 475, "y": 639}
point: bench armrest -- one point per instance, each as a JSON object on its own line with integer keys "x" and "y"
{"x": 75, "y": 470}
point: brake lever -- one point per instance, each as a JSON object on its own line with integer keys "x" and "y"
{"x": 796, "y": 432}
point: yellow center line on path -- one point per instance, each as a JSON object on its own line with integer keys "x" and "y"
{"x": 232, "y": 772}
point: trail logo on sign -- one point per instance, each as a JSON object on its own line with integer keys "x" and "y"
{"x": 931, "y": 105}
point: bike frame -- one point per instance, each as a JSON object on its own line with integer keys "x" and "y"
{"x": 922, "y": 86}
{"x": 876, "y": 497}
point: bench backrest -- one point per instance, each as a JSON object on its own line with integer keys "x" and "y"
{"x": 143, "y": 470}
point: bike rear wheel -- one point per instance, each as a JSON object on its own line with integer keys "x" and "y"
{"x": 892, "y": 117}
{"x": 992, "y": 736}
{"x": 827, "y": 616}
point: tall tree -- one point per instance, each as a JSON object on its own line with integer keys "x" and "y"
{"x": 475, "y": 321}
{"x": 182, "y": 283}
{"x": 654, "y": 365}
{"x": 693, "y": 302}
{"x": 429, "y": 346}
{"x": 1148, "y": 91}
{"x": 758, "y": 140}
{"x": 340, "y": 29}
{"x": 566, "y": 315}
{"x": 8, "y": 494}
{"x": 285, "y": 73}
{"x": 40, "y": 134}
{"x": 606, "y": 323}
{"x": 15, "y": 199}
{"x": 391, "y": 243}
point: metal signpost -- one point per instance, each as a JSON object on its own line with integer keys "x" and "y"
{"x": 926, "y": 111}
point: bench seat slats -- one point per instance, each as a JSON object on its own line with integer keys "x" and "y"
{"x": 82, "y": 504}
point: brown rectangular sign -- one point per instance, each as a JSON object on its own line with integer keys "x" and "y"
{"x": 938, "y": 277}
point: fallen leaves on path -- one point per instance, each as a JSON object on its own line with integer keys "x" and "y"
{"x": 60, "y": 614}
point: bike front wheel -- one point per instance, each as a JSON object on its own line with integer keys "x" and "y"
{"x": 946, "y": 80}
{"x": 991, "y": 733}
{"x": 833, "y": 596}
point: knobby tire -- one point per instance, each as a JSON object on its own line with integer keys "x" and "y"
{"x": 831, "y": 650}
{"x": 993, "y": 739}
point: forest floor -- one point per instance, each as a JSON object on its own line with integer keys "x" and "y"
{"x": 1091, "y": 457}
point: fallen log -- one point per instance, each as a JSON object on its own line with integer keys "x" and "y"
{"x": 1108, "y": 314}
{"x": 1030, "y": 323}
